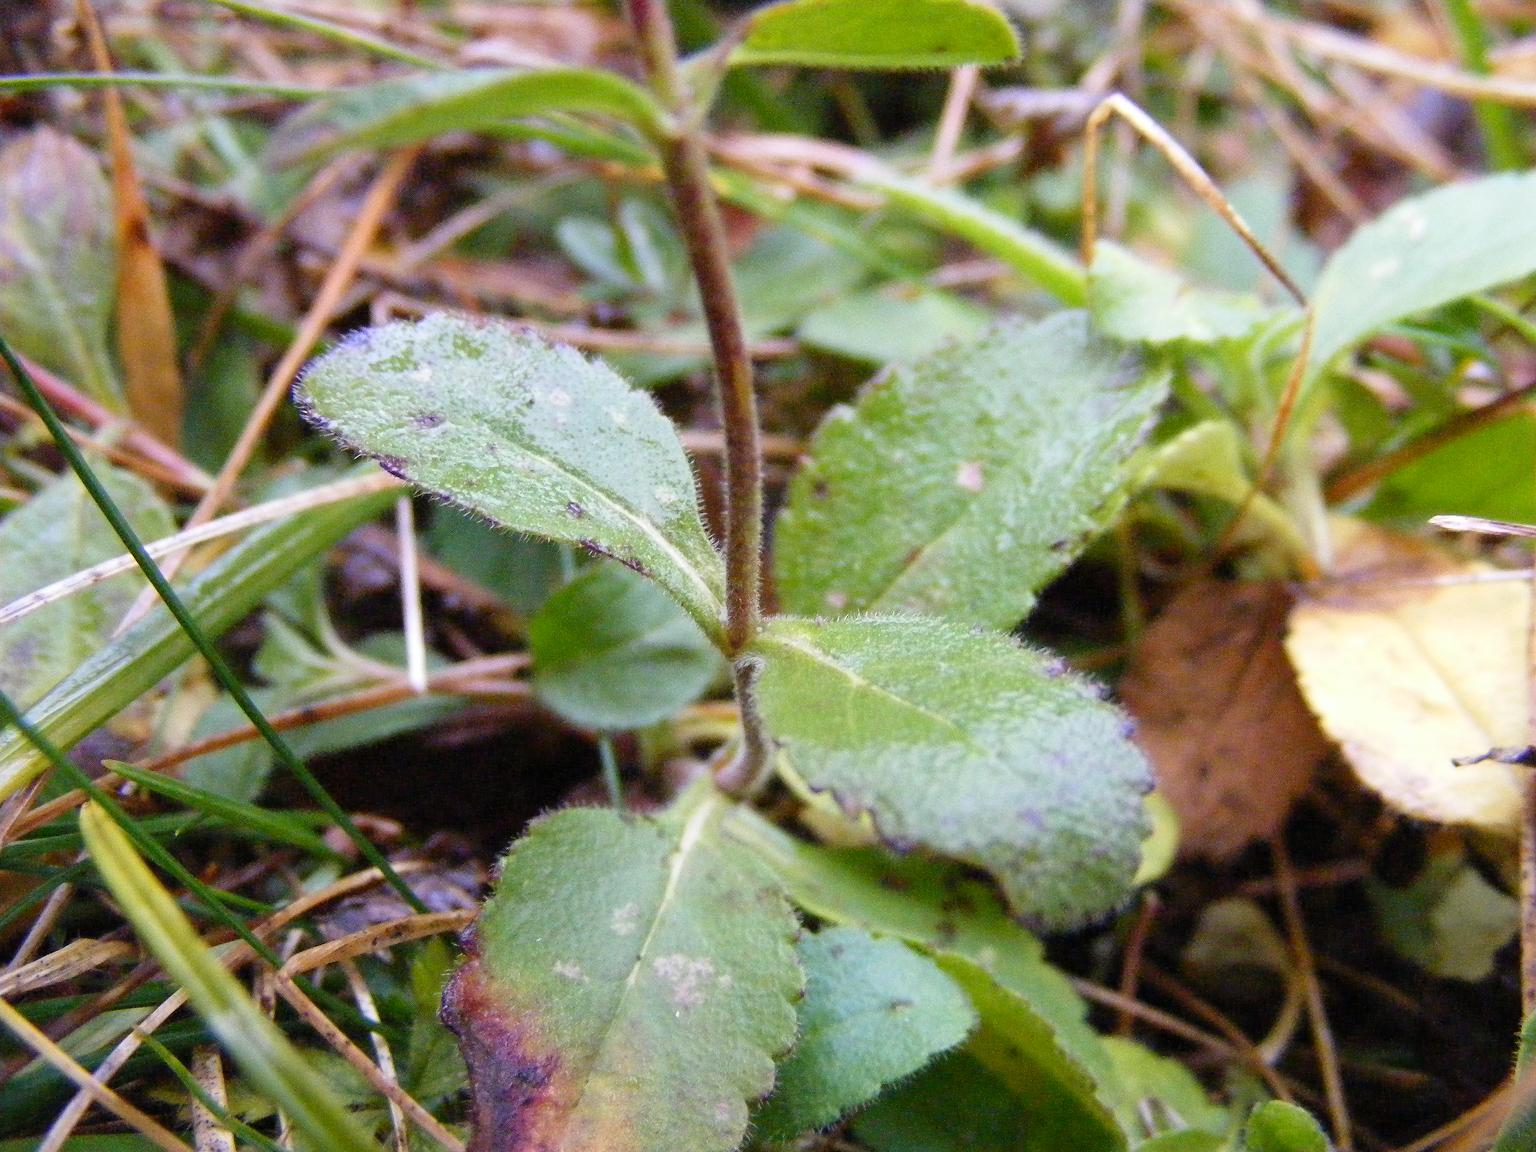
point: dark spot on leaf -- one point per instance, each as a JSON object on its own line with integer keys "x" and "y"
{"x": 821, "y": 490}
{"x": 428, "y": 420}
{"x": 892, "y": 882}
{"x": 510, "y": 1081}
{"x": 394, "y": 465}
{"x": 899, "y": 1005}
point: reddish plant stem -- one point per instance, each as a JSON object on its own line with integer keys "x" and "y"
{"x": 686, "y": 164}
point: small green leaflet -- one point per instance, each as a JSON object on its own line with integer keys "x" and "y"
{"x": 532, "y": 436}
{"x": 1161, "y": 1090}
{"x": 1135, "y": 301}
{"x": 53, "y": 535}
{"x": 58, "y": 259}
{"x": 877, "y": 34}
{"x": 943, "y": 909}
{"x": 613, "y": 651}
{"x": 1424, "y": 252}
{"x": 397, "y": 112}
{"x": 874, "y": 1011}
{"x": 959, "y": 486}
{"x": 966, "y": 744}
{"x": 630, "y": 983}
{"x": 1276, "y": 1126}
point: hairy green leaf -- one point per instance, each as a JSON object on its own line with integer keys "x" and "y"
{"x": 612, "y": 651}
{"x": 1139, "y": 302}
{"x": 532, "y": 436}
{"x": 877, "y": 34}
{"x": 58, "y": 259}
{"x": 56, "y": 534}
{"x": 1276, "y": 1126}
{"x": 953, "y": 1105}
{"x": 874, "y": 1011}
{"x": 959, "y": 486}
{"x": 629, "y": 984}
{"x": 941, "y": 908}
{"x": 396, "y": 112}
{"x": 155, "y": 647}
{"x": 966, "y": 744}
{"x": 1424, "y": 252}
{"x": 263, "y": 1053}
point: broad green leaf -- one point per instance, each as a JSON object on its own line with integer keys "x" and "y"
{"x": 1028, "y": 252}
{"x": 1484, "y": 473}
{"x": 56, "y": 534}
{"x": 629, "y": 984}
{"x": 1276, "y": 1126}
{"x": 612, "y": 651}
{"x": 263, "y": 1053}
{"x": 1160, "y": 1088}
{"x": 965, "y": 744}
{"x": 1139, "y": 302}
{"x": 397, "y": 112}
{"x": 58, "y": 260}
{"x": 1424, "y": 252}
{"x": 880, "y": 328}
{"x": 154, "y": 648}
{"x": 953, "y": 1105}
{"x": 941, "y": 908}
{"x": 874, "y": 1012}
{"x": 877, "y": 34}
{"x": 959, "y": 486}
{"x": 532, "y": 436}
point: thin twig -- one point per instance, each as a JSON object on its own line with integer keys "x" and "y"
{"x": 1317, "y": 1013}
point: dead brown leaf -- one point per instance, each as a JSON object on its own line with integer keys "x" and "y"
{"x": 1219, "y": 714}
{"x": 146, "y": 328}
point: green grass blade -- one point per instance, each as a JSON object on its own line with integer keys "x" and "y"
{"x": 263, "y": 1053}
{"x": 234, "y": 85}
{"x": 278, "y": 18}
{"x": 276, "y": 826}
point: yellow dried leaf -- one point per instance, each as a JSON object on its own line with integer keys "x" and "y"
{"x": 1407, "y": 675}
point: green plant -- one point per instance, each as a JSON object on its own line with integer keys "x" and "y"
{"x": 702, "y": 977}
{"x": 633, "y": 980}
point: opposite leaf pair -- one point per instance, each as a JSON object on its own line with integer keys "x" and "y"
{"x": 1009, "y": 455}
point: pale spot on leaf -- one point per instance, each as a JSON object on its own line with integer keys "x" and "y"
{"x": 626, "y": 919}
{"x": 970, "y": 477}
{"x": 687, "y": 976}
{"x": 571, "y": 971}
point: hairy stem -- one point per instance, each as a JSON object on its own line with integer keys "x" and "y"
{"x": 687, "y": 171}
